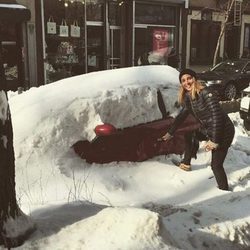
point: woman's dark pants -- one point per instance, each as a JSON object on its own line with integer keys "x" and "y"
{"x": 218, "y": 156}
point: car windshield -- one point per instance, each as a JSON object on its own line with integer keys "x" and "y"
{"x": 229, "y": 67}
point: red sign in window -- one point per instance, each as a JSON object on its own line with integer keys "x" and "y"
{"x": 160, "y": 39}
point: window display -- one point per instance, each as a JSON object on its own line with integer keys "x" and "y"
{"x": 95, "y": 10}
{"x": 65, "y": 41}
{"x": 154, "y": 45}
{"x": 11, "y": 57}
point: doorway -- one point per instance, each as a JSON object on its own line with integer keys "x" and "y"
{"x": 202, "y": 51}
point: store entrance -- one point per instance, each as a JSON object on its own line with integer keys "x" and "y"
{"x": 115, "y": 47}
{"x": 202, "y": 51}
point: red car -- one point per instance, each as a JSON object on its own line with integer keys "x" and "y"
{"x": 137, "y": 143}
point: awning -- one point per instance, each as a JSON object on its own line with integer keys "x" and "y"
{"x": 14, "y": 13}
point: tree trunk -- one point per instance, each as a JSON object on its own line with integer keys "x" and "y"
{"x": 14, "y": 225}
{"x": 223, "y": 28}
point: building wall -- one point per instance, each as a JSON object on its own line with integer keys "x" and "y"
{"x": 194, "y": 13}
{"x": 245, "y": 20}
{"x": 202, "y": 4}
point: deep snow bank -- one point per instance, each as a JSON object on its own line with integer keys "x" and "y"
{"x": 66, "y": 111}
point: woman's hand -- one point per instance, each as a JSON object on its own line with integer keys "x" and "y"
{"x": 165, "y": 137}
{"x": 210, "y": 145}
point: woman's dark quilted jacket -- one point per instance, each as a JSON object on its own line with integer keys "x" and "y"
{"x": 215, "y": 123}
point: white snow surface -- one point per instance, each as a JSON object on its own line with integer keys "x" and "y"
{"x": 121, "y": 205}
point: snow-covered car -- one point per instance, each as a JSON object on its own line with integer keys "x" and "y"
{"x": 227, "y": 78}
{"x": 140, "y": 141}
{"x": 111, "y": 115}
{"x": 245, "y": 107}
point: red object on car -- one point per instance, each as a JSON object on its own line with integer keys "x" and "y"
{"x": 104, "y": 129}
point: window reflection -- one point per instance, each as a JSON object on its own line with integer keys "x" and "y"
{"x": 9, "y": 51}
{"x": 95, "y": 48}
{"x": 114, "y": 13}
{"x": 95, "y": 10}
{"x": 154, "y": 45}
{"x": 155, "y": 14}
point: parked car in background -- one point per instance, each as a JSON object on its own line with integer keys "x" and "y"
{"x": 227, "y": 78}
{"x": 245, "y": 107}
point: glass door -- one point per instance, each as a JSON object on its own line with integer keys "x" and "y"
{"x": 115, "y": 47}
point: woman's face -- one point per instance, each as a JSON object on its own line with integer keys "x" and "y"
{"x": 187, "y": 82}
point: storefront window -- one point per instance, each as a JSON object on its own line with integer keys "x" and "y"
{"x": 95, "y": 48}
{"x": 65, "y": 40}
{"x": 9, "y": 54}
{"x": 154, "y": 45}
{"x": 115, "y": 48}
{"x": 155, "y": 34}
{"x": 155, "y": 14}
{"x": 246, "y": 48}
{"x": 95, "y": 10}
{"x": 114, "y": 13}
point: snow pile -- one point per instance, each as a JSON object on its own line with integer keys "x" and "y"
{"x": 151, "y": 204}
{"x": 115, "y": 228}
{"x": 68, "y": 110}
